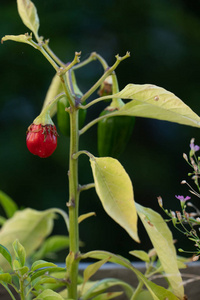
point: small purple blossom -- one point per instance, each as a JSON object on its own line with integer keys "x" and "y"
{"x": 182, "y": 198}
{"x": 194, "y": 147}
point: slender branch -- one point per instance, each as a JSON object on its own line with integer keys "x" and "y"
{"x": 86, "y": 187}
{"x": 103, "y": 77}
{"x": 53, "y": 55}
{"x": 77, "y": 154}
{"x": 86, "y": 61}
{"x": 93, "y": 122}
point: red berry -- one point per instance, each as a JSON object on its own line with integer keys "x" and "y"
{"x": 41, "y": 140}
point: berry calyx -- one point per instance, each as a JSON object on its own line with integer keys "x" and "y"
{"x": 41, "y": 140}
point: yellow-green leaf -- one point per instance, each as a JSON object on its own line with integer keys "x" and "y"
{"x": 115, "y": 191}
{"x": 54, "y": 89}
{"x": 22, "y": 38}
{"x": 28, "y": 14}
{"x": 151, "y": 101}
{"x": 30, "y": 227}
{"x": 162, "y": 241}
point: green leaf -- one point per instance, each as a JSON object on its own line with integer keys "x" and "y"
{"x": 6, "y": 277}
{"x": 41, "y": 264}
{"x": 142, "y": 255}
{"x": 6, "y": 254}
{"x": 93, "y": 268}
{"x": 150, "y": 101}
{"x": 49, "y": 295}
{"x": 22, "y": 38}
{"x": 54, "y": 89}
{"x": 156, "y": 291}
{"x": 144, "y": 295}
{"x": 115, "y": 191}
{"x": 28, "y": 14}
{"x": 48, "y": 270}
{"x": 85, "y": 216}
{"x": 52, "y": 244}
{"x": 9, "y": 206}
{"x": 19, "y": 252}
{"x": 162, "y": 241}
{"x": 94, "y": 288}
{"x": 30, "y": 227}
{"x": 109, "y": 295}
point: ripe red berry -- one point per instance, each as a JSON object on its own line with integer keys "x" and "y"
{"x": 41, "y": 140}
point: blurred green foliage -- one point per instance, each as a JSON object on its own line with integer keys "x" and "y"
{"x": 164, "y": 40}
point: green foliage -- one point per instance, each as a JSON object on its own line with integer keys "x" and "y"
{"x": 115, "y": 191}
{"x": 111, "y": 183}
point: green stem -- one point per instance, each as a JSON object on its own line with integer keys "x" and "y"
{"x": 93, "y": 122}
{"x": 21, "y": 288}
{"x": 73, "y": 204}
{"x": 103, "y": 77}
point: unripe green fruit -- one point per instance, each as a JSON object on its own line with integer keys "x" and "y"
{"x": 114, "y": 134}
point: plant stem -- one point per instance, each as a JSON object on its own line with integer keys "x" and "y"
{"x": 73, "y": 203}
{"x": 108, "y": 72}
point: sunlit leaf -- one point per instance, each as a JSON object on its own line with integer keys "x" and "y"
{"x": 41, "y": 264}
{"x": 22, "y": 38}
{"x": 142, "y": 255}
{"x": 115, "y": 191}
{"x": 157, "y": 292}
{"x": 49, "y": 295}
{"x": 93, "y": 268}
{"x": 161, "y": 238}
{"x": 19, "y": 252}
{"x": 28, "y": 14}
{"x": 8, "y": 204}
{"x": 6, "y": 277}
{"x": 30, "y": 227}
{"x": 150, "y": 101}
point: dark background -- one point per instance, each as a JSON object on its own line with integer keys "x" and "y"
{"x": 164, "y": 40}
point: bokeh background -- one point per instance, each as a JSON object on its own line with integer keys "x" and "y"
{"x": 163, "y": 37}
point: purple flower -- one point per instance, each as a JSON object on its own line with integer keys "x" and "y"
{"x": 194, "y": 147}
{"x": 182, "y": 198}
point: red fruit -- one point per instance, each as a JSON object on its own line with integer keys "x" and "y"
{"x": 41, "y": 140}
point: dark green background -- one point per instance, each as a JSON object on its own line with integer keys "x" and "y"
{"x": 164, "y": 40}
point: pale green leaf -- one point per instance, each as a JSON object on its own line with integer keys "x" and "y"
{"x": 157, "y": 292}
{"x": 94, "y": 288}
{"x": 22, "y": 38}
{"x": 115, "y": 191}
{"x": 48, "y": 270}
{"x": 142, "y": 255}
{"x": 6, "y": 277}
{"x": 41, "y": 264}
{"x": 30, "y": 227}
{"x": 144, "y": 295}
{"x": 54, "y": 89}
{"x": 28, "y": 14}
{"x": 8, "y": 204}
{"x": 93, "y": 268}
{"x": 49, "y": 295}
{"x": 109, "y": 295}
{"x": 19, "y": 252}
{"x": 85, "y": 216}
{"x": 150, "y": 101}
{"x": 162, "y": 241}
